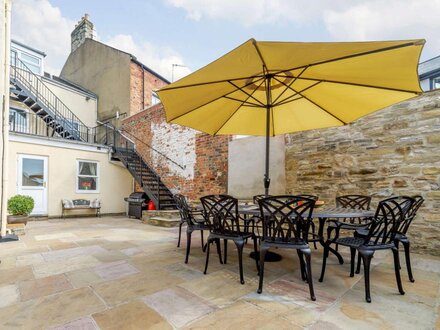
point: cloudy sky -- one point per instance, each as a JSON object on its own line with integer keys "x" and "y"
{"x": 195, "y": 32}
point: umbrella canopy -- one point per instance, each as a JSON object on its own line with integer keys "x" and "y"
{"x": 270, "y": 88}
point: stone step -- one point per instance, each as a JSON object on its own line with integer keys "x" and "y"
{"x": 170, "y": 214}
{"x": 162, "y": 222}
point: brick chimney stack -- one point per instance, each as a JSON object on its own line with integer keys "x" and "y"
{"x": 82, "y": 31}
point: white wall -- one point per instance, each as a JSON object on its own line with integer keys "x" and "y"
{"x": 246, "y": 166}
{"x": 82, "y": 105}
{"x": 115, "y": 182}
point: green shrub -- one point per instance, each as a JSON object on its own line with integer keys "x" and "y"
{"x": 20, "y": 205}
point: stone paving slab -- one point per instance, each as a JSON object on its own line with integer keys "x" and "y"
{"x": 43, "y": 287}
{"x": 178, "y": 306}
{"x": 114, "y": 270}
{"x": 117, "y": 273}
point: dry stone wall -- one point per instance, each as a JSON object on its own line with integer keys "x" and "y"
{"x": 395, "y": 151}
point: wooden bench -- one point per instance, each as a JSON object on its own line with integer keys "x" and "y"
{"x": 81, "y": 204}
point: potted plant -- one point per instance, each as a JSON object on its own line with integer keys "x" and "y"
{"x": 19, "y": 208}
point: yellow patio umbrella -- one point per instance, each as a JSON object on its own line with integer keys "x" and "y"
{"x": 269, "y": 88}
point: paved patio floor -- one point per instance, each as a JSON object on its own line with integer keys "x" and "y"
{"x": 117, "y": 273}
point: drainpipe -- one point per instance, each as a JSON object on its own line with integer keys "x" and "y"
{"x": 143, "y": 89}
{"x": 5, "y": 37}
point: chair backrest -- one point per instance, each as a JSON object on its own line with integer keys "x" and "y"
{"x": 356, "y": 202}
{"x": 221, "y": 212}
{"x": 411, "y": 214}
{"x": 286, "y": 217}
{"x": 256, "y": 198}
{"x": 184, "y": 210}
{"x": 390, "y": 214}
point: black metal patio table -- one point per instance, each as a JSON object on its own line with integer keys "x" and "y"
{"x": 322, "y": 214}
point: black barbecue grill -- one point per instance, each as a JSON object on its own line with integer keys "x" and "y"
{"x": 137, "y": 202}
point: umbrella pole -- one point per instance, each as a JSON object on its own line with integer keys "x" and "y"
{"x": 268, "y": 107}
{"x": 266, "y": 174}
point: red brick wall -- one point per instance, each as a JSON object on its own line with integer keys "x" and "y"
{"x": 141, "y": 100}
{"x": 205, "y": 156}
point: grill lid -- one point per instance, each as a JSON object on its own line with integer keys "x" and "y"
{"x": 136, "y": 197}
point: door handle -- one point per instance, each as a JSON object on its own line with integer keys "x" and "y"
{"x": 44, "y": 184}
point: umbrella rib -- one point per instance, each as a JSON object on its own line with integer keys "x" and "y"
{"x": 323, "y": 109}
{"x": 235, "y": 111}
{"x": 243, "y": 102}
{"x": 354, "y": 55}
{"x": 296, "y": 93}
{"x": 290, "y": 84}
{"x": 360, "y": 85}
{"x": 254, "y": 43}
{"x": 211, "y": 101}
{"x": 249, "y": 95}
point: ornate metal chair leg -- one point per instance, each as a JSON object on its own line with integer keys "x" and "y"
{"x": 352, "y": 260}
{"x": 406, "y": 246}
{"x": 188, "y": 244}
{"x": 219, "y": 251}
{"x": 302, "y": 265}
{"x": 201, "y": 235}
{"x": 397, "y": 270}
{"x": 180, "y": 234}
{"x": 307, "y": 254}
{"x": 207, "y": 255}
{"x": 358, "y": 267}
{"x": 225, "y": 255}
{"x": 240, "y": 245}
{"x": 366, "y": 257}
{"x": 263, "y": 250}
{"x": 254, "y": 238}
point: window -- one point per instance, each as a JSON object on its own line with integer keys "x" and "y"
{"x": 18, "y": 120}
{"x": 26, "y": 61}
{"x": 154, "y": 98}
{"x": 87, "y": 177}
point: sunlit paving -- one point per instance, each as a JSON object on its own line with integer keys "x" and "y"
{"x": 117, "y": 273}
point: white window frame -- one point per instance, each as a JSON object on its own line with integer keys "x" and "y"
{"x": 21, "y": 50}
{"x": 97, "y": 176}
{"x": 22, "y": 128}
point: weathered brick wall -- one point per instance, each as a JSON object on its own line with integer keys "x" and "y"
{"x": 142, "y": 83}
{"x": 204, "y": 158}
{"x": 391, "y": 152}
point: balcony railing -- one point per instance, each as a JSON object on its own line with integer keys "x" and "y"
{"x": 29, "y": 123}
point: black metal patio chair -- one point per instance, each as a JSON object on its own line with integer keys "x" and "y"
{"x": 221, "y": 211}
{"x": 194, "y": 220}
{"x": 381, "y": 235}
{"x": 286, "y": 223}
{"x": 401, "y": 236}
{"x": 354, "y": 202}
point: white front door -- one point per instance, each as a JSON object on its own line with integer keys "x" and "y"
{"x": 32, "y": 181}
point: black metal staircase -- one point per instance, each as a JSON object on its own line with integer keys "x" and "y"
{"x": 125, "y": 151}
{"x": 30, "y": 89}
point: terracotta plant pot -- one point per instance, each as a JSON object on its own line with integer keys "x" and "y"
{"x": 18, "y": 219}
